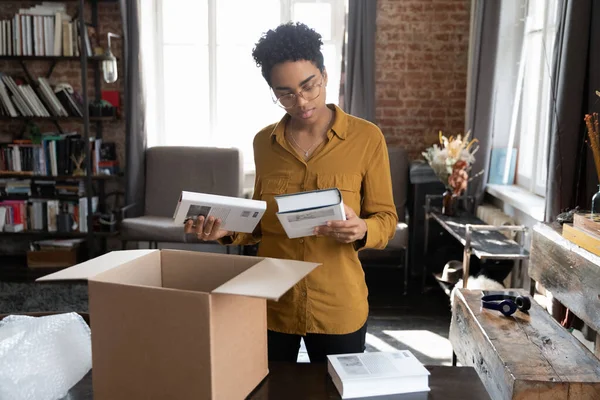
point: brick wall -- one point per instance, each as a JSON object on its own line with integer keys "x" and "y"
{"x": 109, "y": 19}
{"x": 421, "y": 70}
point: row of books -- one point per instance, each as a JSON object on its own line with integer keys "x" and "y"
{"x": 26, "y": 188}
{"x": 57, "y": 154}
{"x": 20, "y": 98}
{"x": 43, "y": 30}
{"x": 62, "y": 216}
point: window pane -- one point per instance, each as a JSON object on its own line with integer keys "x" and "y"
{"x": 185, "y": 21}
{"x": 240, "y": 21}
{"x": 536, "y": 14}
{"x": 244, "y": 101}
{"x": 530, "y": 105}
{"x": 316, "y": 15}
{"x": 186, "y": 110}
{"x": 244, "y": 104}
{"x": 333, "y": 67}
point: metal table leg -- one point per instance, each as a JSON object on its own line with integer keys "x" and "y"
{"x": 467, "y": 255}
{"x": 426, "y": 244}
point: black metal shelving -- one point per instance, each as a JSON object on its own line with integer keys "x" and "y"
{"x": 88, "y": 122}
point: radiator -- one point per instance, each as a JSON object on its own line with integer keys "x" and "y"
{"x": 493, "y": 215}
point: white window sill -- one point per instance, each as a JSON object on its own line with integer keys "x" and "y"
{"x": 519, "y": 198}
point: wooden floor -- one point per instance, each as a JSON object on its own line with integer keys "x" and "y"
{"x": 416, "y": 322}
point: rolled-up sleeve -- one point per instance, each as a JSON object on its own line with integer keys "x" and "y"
{"x": 378, "y": 208}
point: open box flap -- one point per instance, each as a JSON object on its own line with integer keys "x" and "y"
{"x": 268, "y": 279}
{"x": 89, "y": 269}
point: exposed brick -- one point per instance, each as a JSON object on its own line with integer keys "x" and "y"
{"x": 421, "y": 70}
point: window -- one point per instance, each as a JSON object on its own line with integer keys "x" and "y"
{"x": 209, "y": 91}
{"x": 533, "y": 105}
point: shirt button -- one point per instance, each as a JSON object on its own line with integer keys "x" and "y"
{"x": 302, "y": 186}
{"x": 301, "y": 240}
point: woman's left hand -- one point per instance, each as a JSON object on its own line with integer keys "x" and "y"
{"x": 348, "y": 231}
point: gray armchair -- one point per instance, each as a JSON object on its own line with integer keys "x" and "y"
{"x": 396, "y": 252}
{"x": 169, "y": 170}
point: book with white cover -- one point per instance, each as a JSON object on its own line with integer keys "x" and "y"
{"x": 300, "y": 213}
{"x": 236, "y": 214}
{"x": 377, "y": 374}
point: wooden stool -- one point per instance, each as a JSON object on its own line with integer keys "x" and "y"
{"x": 524, "y": 356}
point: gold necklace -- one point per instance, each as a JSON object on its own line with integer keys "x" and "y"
{"x": 306, "y": 152}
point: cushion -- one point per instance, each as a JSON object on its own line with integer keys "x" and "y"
{"x": 171, "y": 169}
{"x": 150, "y": 228}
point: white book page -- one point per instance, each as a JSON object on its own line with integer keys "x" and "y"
{"x": 303, "y": 223}
{"x": 378, "y": 365}
{"x": 366, "y": 364}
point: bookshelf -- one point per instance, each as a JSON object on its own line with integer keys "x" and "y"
{"x": 90, "y": 130}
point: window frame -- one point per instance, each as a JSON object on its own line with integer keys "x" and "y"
{"x": 338, "y": 8}
{"x": 532, "y": 181}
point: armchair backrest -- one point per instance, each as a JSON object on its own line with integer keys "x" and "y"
{"x": 399, "y": 171}
{"x": 171, "y": 169}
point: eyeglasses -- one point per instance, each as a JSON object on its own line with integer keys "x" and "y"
{"x": 308, "y": 93}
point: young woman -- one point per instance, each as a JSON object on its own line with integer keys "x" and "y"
{"x": 315, "y": 146}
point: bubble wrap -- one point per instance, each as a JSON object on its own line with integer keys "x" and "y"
{"x": 41, "y": 358}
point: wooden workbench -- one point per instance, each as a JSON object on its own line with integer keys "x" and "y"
{"x": 524, "y": 356}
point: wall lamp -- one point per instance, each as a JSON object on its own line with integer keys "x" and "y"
{"x": 109, "y": 62}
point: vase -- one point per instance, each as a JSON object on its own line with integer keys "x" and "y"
{"x": 596, "y": 202}
{"x": 450, "y": 203}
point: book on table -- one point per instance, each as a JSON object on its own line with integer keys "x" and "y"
{"x": 588, "y": 222}
{"x": 300, "y": 213}
{"x": 377, "y": 374}
{"x": 236, "y": 214}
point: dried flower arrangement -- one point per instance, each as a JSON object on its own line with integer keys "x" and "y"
{"x": 591, "y": 123}
{"x": 452, "y": 161}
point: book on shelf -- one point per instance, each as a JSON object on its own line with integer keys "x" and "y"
{"x": 44, "y": 30}
{"x": 236, "y": 214}
{"x": 21, "y": 98}
{"x": 47, "y": 215}
{"x": 377, "y": 374}
{"x": 300, "y": 213}
{"x": 56, "y": 244}
{"x": 57, "y": 154}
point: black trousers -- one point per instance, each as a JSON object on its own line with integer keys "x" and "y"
{"x": 285, "y": 346}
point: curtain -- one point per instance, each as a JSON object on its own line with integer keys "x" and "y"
{"x": 576, "y": 76}
{"x": 134, "y": 107}
{"x": 359, "y": 85}
{"x": 485, "y": 18}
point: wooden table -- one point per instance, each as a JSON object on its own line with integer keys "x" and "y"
{"x": 478, "y": 239}
{"x": 524, "y": 356}
{"x": 305, "y": 381}
{"x": 570, "y": 273}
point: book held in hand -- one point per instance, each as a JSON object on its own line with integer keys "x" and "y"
{"x": 236, "y": 214}
{"x": 300, "y": 213}
{"x": 377, "y": 374}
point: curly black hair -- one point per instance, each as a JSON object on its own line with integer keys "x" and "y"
{"x": 288, "y": 42}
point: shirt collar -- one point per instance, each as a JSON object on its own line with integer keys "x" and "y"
{"x": 339, "y": 127}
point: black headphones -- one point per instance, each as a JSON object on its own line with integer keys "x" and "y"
{"x": 508, "y": 304}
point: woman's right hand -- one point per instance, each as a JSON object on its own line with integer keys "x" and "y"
{"x": 206, "y": 229}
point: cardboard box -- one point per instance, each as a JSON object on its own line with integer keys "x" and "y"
{"x": 173, "y": 324}
{"x": 53, "y": 258}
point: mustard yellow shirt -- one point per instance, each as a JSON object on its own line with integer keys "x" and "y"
{"x": 333, "y": 298}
